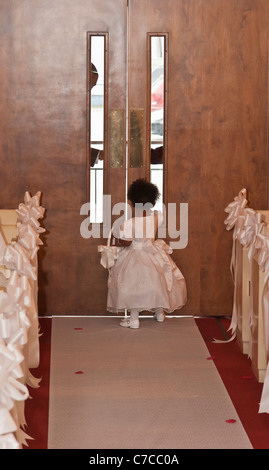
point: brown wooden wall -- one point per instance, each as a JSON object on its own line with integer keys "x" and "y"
{"x": 217, "y": 113}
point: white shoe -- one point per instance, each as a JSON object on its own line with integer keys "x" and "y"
{"x": 159, "y": 316}
{"x": 128, "y": 323}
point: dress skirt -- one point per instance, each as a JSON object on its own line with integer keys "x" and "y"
{"x": 145, "y": 277}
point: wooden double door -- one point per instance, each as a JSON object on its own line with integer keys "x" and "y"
{"x": 188, "y": 78}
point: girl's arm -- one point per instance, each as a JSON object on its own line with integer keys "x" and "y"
{"x": 125, "y": 230}
{"x": 121, "y": 242}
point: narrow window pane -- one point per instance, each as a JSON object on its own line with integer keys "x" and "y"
{"x": 157, "y": 113}
{"x": 97, "y": 61}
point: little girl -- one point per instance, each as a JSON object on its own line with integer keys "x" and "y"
{"x": 144, "y": 276}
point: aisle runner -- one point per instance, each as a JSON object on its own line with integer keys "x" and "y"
{"x": 151, "y": 388}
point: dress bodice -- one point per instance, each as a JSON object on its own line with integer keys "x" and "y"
{"x": 140, "y": 228}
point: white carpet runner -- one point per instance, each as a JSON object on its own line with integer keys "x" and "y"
{"x": 151, "y": 388}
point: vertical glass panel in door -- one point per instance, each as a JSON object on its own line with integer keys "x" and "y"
{"x": 97, "y": 61}
{"x": 157, "y": 62}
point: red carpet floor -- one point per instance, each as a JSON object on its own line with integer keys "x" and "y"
{"x": 234, "y": 369}
{"x": 241, "y": 384}
{"x": 37, "y": 408}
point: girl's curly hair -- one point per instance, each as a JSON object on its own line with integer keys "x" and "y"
{"x": 142, "y": 191}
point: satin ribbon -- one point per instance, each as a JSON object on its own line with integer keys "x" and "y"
{"x": 252, "y": 226}
{"x": 7, "y": 423}
{"x": 19, "y": 332}
{"x": 29, "y": 239}
{"x": 235, "y": 220}
{"x": 31, "y": 211}
{"x": 9, "y": 318}
{"x": 19, "y": 321}
{"x": 8, "y": 441}
{"x": 19, "y": 317}
{"x": 14, "y": 321}
{"x": 31, "y": 348}
{"x": 16, "y": 259}
{"x": 247, "y": 225}
{"x": 170, "y": 269}
{"x": 11, "y": 389}
{"x": 109, "y": 254}
{"x": 163, "y": 260}
{"x": 19, "y": 288}
{"x": 236, "y": 209}
{"x": 162, "y": 251}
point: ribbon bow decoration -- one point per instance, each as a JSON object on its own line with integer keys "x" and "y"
{"x": 236, "y": 220}
{"x": 29, "y": 239}
{"x": 8, "y": 441}
{"x": 109, "y": 254}
{"x": 251, "y": 228}
{"x": 236, "y": 209}
{"x": 262, "y": 247}
{"x": 19, "y": 333}
{"x": 13, "y": 394}
{"x": 11, "y": 389}
{"x": 14, "y": 306}
{"x": 30, "y": 211}
{"x": 167, "y": 265}
{"x": 16, "y": 259}
{"x": 7, "y": 423}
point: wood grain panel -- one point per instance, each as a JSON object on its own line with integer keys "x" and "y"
{"x": 43, "y": 134}
{"x": 182, "y": 22}
{"x": 217, "y": 129}
{"x": 217, "y": 126}
{"x": 234, "y": 125}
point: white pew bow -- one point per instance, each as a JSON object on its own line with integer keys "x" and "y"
{"x": 11, "y": 389}
{"x": 235, "y": 220}
{"x": 16, "y": 259}
{"x": 31, "y": 211}
{"x": 236, "y": 209}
